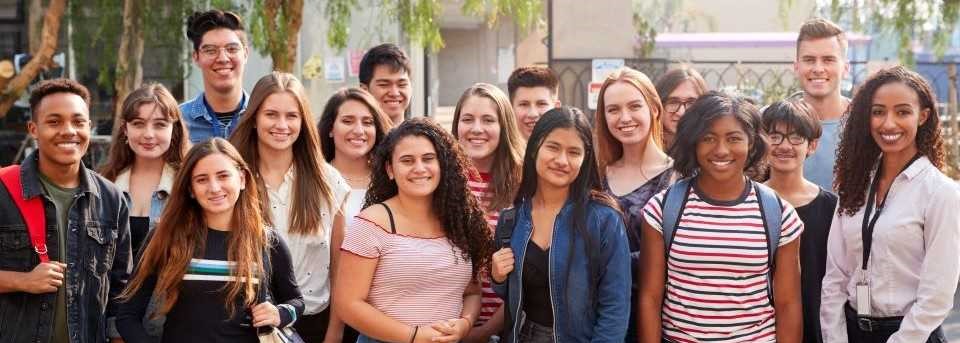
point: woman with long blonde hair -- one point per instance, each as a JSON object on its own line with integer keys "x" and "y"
{"x": 303, "y": 195}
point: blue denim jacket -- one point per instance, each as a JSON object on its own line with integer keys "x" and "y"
{"x": 202, "y": 123}
{"x": 158, "y": 199}
{"x": 577, "y": 318}
{"x": 97, "y": 256}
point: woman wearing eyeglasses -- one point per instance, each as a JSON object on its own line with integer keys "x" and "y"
{"x": 793, "y": 134}
{"x": 678, "y": 89}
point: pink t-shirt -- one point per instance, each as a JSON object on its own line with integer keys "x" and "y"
{"x": 418, "y": 281}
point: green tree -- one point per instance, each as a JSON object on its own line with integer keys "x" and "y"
{"x": 908, "y": 20}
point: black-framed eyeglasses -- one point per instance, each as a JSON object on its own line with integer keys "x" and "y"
{"x": 776, "y": 138}
{"x": 674, "y": 105}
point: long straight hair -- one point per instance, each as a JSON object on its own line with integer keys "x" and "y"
{"x": 609, "y": 149}
{"x": 311, "y": 190}
{"x": 121, "y": 156}
{"x": 181, "y": 233}
{"x": 587, "y": 186}
{"x": 508, "y": 156}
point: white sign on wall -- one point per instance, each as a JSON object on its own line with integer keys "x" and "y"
{"x": 604, "y": 66}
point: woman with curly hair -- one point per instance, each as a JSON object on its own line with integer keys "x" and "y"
{"x": 413, "y": 255}
{"x": 485, "y": 127}
{"x": 573, "y": 266}
{"x": 712, "y": 266}
{"x": 892, "y": 263}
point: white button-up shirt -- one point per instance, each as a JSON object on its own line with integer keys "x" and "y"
{"x": 914, "y": 264}
{"x": 310, "y": 254}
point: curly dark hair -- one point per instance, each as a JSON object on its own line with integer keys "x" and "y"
{"x": 460, "y": 213}
{"x": 858, "y": 151}
{"x": 61, "y": 85}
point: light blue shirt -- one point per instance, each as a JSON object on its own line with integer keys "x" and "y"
{"x": 819, "y": 167}
{"x": 202, "y": 122}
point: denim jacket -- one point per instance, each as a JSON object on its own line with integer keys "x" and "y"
{"x": 159, "y": 197}
{"x": 97, "y": 257}
{"x": 202, "y": 123}
{"x": 577, "y": 317}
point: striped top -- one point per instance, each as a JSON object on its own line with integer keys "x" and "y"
{"x": 716, "y": 287}
{"x": 418, "y": 281}
{"x": 489, "y": 301}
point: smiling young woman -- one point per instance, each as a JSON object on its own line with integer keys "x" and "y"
{"x": 893, "y": 241}
{"x": 718, "y": 265}
{"x": 303, "y": 195}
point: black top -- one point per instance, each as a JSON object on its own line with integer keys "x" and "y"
{"x": 536, "y": 285}
{"x": 816, "y": 216}
{"x": 139, "y": 227}
{"x": 199, "y": 314}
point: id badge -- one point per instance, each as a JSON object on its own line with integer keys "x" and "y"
{"x": 863, "y": 299}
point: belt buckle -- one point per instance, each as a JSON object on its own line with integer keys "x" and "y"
{"x": 865, "y": 324}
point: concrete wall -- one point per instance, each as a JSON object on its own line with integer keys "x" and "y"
{"x": 593, "y": 29}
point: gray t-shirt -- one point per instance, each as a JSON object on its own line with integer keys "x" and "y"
{"x": 62, "y": 199}
{"x": 819, "y": 167}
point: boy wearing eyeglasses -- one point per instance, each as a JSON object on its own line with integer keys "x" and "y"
{"x": 220, "y": 52}
{"x": 793, "y": 134}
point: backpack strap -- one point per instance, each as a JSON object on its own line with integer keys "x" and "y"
{"x": 504, "y": 229}
{"x": 771, "y": 211}
{"x": 30, "y": 209}
{"x": 673, "y": 203}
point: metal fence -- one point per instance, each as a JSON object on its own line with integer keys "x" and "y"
{"x": 765, "y": 81}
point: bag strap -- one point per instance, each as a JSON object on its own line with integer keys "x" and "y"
{"x": 771, "y": 211}
{"x": 673, "y": 203}
{"x": 503, "y": 232}
{"x": 30, "y": 209}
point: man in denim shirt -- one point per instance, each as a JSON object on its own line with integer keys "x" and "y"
{"x": 220, "y": 51}
{"x": 71, "y": 297}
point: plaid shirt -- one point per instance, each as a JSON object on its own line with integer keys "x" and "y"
{"x": 202, "y": 122}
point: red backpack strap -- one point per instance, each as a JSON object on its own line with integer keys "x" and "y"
{"x": 31, "y": 210}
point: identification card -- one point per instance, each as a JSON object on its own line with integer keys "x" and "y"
{"x": 863, "y": 300}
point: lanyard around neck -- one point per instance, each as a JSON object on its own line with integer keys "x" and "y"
{"x": 869, "y": 218}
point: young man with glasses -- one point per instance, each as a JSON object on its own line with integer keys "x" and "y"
{"x": 220, "y": 51}
{"x": 793, "y": 134}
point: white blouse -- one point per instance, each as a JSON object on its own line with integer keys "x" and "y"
{"x": 914, "y": 264}
{"x": 311, "y": 254}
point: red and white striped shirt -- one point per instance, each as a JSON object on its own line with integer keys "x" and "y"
{"x": 716, "y": 287}
{"x": 418, "y": 281}
{"x": 489, "y": 302}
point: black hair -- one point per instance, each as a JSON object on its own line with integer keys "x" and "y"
{"x": 387, "y": 54}
{"x": 49, "y": 87}
{"x": 463, "y": 220}
{"x": 199, "y": 23}
{"x": 698, "y": 119}
{"x": 795, "y": 114}
{"x": 587, "y": 187}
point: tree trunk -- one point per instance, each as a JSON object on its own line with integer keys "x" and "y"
{"x": 953, "y": 140}
{"x": 293, "y": 13}
{"x": 42, "y": 58}
{"x": 283, "y": 49}
{"x": 130, "y": 55}
{"x": 35, "y": 25}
